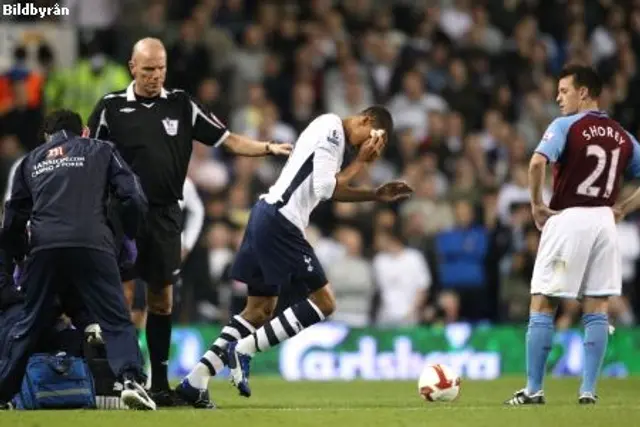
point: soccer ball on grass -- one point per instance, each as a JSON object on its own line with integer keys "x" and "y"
{"x": 438, "y": 383}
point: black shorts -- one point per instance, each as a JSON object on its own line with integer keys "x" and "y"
{"x": 159, "y": 246}
{"x": 275, "y": 254}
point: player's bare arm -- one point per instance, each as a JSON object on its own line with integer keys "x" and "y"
{"x": 541, "y": 212}
{"x": 628, "y": 205}
{"x": 243, "y": 146}
{"x": 389, "y": 192}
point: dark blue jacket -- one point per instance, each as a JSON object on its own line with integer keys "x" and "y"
{"x": 62, "y": 187}
{"x": 461, "y": 257}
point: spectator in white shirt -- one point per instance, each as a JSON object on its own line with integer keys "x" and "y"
{"x": 352, "y": 280}
{"x": 402, "y": 278}
{"x": 410, "y": 109}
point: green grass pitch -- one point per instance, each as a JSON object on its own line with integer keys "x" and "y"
{"x": 336, "y": 404}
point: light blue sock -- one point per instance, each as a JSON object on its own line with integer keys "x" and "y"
{"x": 539, "y": 338}
{"x": 596, "y": 335}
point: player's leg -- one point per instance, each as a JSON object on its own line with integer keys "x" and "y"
{"x": 300, "y": 316}
{"x": 286, "y": 255}
{"x": 158, "y": 264}
{"x": 129, "y": 287}
{"x": 602, "y": 280}
{"x": 540, "y": 331}
{"x": 596, "y": 336}
{"x": 139, "y": 305}
{"x": 557, "y": 273}
{"x": 257, "y": 312}
{"x": 292, "y": 321}
{"x": 259, "y": 307}
{"x": 96, "y": 277}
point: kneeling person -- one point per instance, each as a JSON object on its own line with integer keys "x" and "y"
{"x": 61, "y": 188}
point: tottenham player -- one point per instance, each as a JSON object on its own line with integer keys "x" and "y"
{"x": 578, "y": 256}
{"x": 274, "y": 251}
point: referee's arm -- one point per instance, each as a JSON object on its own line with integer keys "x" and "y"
{"x": 209, "y": 130}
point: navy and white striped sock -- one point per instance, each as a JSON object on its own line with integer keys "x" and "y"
{"x": 214, "y": 360}
{"x": 286, "y": 325}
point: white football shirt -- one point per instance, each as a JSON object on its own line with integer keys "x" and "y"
{"x": 309, "y": 176}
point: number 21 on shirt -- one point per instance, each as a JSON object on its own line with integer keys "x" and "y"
{"x": 586, "y": 187}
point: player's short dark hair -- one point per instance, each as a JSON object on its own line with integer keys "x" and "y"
{"x": 63, "y": 120}
{"x": 583, "y": 76}
{"x": 380, "y": 117}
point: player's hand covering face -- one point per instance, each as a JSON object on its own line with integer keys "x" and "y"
{"x": 370, "y": 151}
{"x": 280, "y": 149}
{"x": 541, "y": 213}
{"x": 393, "y": 191}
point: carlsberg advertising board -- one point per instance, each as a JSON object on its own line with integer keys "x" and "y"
{"x": 331, "y": 351}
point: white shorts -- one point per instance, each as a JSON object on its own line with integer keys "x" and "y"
{"x": 578, "y": 255}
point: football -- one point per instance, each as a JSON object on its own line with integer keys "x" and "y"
{"x": 438, "y": 383}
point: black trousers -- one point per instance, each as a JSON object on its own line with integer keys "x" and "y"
{"x": 93, "y": 276}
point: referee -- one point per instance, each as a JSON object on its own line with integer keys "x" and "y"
{"x": 153, "y": 128}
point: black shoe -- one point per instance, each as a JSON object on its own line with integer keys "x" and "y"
{"x": 167, "y": 399}
{"x": 199, "y": 399}
{"x": 6, "y": 406}
{"x": 587, "y": 399}
{"x": 521, "y": 397}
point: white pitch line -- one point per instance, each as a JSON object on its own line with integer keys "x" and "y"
{"x": 426, "y": 408}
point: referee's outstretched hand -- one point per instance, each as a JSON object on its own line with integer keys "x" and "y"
{"x": 393, "y": 191}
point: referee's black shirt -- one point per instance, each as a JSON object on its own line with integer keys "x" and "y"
{"x": 154, "y": 136}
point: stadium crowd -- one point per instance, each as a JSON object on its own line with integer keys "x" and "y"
{"x": 471, "y": 88}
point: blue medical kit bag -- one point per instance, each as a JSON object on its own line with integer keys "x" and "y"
{"x": 56, "y": 381}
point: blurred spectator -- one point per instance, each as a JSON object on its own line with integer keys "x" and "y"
{"x": 347, "y": 87}
{"x": 220, "y": 256}
{"x": 208, "y": 94}
{"x": 425, "y": 214}
{"x": 534, "y": 119}
{"x": 303, "y": 106}
{"x": 249, "y": 61}
{"x": 516, "y": 192}
{"x": 218, "y": 42}
{"x": 411, "y": 107}
{"x": 207, "y": 173}
{"x": 514, "y": 295}
{"x": 270, "y": 127}
{"x": 79, "y": 88}
{"x": 189, "y": 59}
{"x": 483, "y": 34}
{"x": 603, "y": 44}
{"x": 461, "y": 95}
{"x": 402, "y": 278}
{"x": 455, "y": 20}
{"x": 461, "y": 254}
{"x": 351, "y": 278}
{"x": 151, "y": 21}
{"x": 21, "y": 102}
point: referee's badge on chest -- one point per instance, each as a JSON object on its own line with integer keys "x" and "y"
{"x": 170, "y": 126}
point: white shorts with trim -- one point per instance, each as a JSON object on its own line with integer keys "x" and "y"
{"x": 578, "y": 255}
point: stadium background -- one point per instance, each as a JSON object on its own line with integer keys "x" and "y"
{"x": 471, "y": 87}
